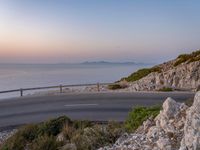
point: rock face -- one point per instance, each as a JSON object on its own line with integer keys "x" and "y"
{"x": 191, "y": 138}
{"x": 177, "y": 127}
{"x": 184, "y": 76}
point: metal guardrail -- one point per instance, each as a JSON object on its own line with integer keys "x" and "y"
{"x": 60, "y": 87}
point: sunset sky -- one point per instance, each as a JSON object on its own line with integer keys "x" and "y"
{"x": 56, "y": 31}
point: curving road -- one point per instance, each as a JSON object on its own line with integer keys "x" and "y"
{"x": 90, "y": 106}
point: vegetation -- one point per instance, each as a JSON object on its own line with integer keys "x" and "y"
{"x": 138, "y": 115}
{"x": 166, "y": 89}
{"x": 84, "y": 134}
{"x": 189, "y": 102}
{"x": 141, "y": 73}
{"x": 194, "y": 56}
{"x": 37, "y": 135}
{"x": 116, "y": 86}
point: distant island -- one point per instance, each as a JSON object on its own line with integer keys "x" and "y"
{"x": 112, "y": 63}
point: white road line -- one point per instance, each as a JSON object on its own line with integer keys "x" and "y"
{"x": 76, "y": 105}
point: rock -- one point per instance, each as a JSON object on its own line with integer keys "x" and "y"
{"x": 69, "y": 146}
{"x": 191, "y": 138}
{"x": 61, "y": 137}
{"x": 185, "y": 76}
{"x": 170, "y": 108}
{"x": 164, "y": 144}
{"x": 177, "y": 127}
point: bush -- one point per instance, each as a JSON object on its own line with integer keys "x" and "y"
{"x": 54, "y": 126}
{"x": 141, "y": 73}
{"x": 194, "y": 56}
{"x": 116, "y": 86}
{"x": 29, "y": 133}
{"x": 45, "y": 143}
{"x": 17, "y": 142}
{"x": 115, "y": 130}
{"x": 138, "y": 115}
{"x": 166, "y": 89}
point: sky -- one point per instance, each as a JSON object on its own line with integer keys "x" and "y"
{"x": 62, "y": 31}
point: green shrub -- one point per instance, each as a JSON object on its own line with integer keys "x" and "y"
{"x": 54, "y": 126}
{"x": 90, "y": 138}
{"x": 166, "y": 89}
{"x": 29, "y": 133}
{"x": 141, "y": 73}
{"x": 138, "y": 115}
{"x": 116, "y": 86}
{"x": 16, "y": 142}
{"x": 45, "y": 142}
{"x": 194, "y": 56}
{"x": 19, "y": 140}
{"x": 115, "y": 130}
{"x": 81, "y": 124}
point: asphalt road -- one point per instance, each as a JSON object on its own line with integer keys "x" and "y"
{"x": 93, "y": 106}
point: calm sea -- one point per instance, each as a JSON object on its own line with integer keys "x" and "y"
{"x": 26, "y": 76}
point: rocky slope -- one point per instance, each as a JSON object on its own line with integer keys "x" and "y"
{"x": 183, "y": 73}
{"x": 177, "y": 127}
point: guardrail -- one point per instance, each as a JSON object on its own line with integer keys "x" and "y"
{"x": 60, "y": 87}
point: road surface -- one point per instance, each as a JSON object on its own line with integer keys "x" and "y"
{"x": 89, "y": 106}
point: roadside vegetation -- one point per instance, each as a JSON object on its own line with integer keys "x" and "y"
{"x": 116, "y": 86}
{"x": 166, "y": 89}
{"x": 141, "y": 73}
{"x": 194, "y": 56}
{"x": 63, "y": 134}
{"x": 138, "y": 115}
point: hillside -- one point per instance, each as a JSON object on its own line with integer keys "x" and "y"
{"x": 182, "y": 73}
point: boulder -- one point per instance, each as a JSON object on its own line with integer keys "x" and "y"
{"x": 191, "y": 138}
{"x": 177, "y": 127}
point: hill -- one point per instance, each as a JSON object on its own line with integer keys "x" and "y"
{"x": 182, "y": 73}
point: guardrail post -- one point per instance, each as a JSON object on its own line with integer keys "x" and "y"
{"x": 61, "y": 90}
{"x": 98, "y": 89}
{"x": 21, "y": 92}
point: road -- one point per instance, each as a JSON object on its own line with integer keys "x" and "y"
{"x": 89, "y": 106}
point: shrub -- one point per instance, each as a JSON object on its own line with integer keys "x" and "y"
{"x": 90, "y": 138}
{"x": 81, "y": 124}
{"x": 54, "y": 126}
{"x": 138, "y": 115}
{"x": 194, "y": 56}
{"x": 115, "y": 130}
{"x": 45, "y": 143}
{"x": 116, "y": 86}
{"x": 29, "y": 133}
{"x": 16, "y": 142}
{"x": 166, "y": 89}
{"x": 141, "y": 73}
{"x": 19, "y": 140}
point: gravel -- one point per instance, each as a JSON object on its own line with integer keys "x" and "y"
{"x": 4, "y": 135}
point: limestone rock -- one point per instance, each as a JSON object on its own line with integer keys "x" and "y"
{"x": 182, "y": 77}
{"x": 191, "y": 138}
{"x": 177, "y": 127}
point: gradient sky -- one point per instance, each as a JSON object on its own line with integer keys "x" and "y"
{"x": 54, "y": 31}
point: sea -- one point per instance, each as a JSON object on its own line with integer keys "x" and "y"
{"x": 16, "y": 76}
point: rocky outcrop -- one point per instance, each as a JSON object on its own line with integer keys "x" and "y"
{"x": 185, "y": 76}
{"x": 177, "y": 127}
{"x": 191, "y": 138}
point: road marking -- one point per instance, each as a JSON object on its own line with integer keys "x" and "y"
{"x": 76, "y": 105}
